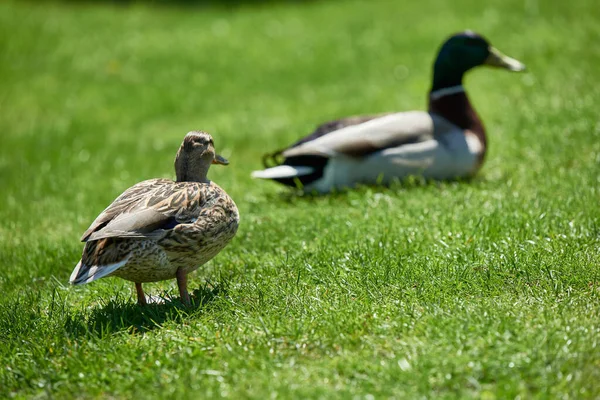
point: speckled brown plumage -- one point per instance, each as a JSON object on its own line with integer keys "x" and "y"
{"x": 161, "y": 229}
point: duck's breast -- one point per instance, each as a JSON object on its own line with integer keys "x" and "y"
{"x": 190, "y": 245}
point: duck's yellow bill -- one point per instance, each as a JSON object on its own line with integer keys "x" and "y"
{"x": 497, "y": 59}
{"x": 220, "y": 160}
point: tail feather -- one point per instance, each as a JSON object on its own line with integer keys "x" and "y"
{"x": 273, "y": 159}
{"x": 87, "y": 273}
{"x": 283, "y": 171}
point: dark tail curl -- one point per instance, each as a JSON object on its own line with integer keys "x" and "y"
{"x": 274, "y": 159}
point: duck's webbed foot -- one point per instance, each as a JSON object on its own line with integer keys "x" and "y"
{"x": 143, "y": 300}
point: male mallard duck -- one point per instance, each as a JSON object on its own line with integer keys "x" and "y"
{"x": 446, "y": 142}
{"x": 161, "y": 229}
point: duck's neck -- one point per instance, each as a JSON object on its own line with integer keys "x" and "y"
{"x": 197, "y": 174}
{"x": 188, "y": 169}
{"x": 448, "y": 98}
{"x": 187, "y": 177}
{"x": 446, "y": 73}
{"x": 452, "y": 103}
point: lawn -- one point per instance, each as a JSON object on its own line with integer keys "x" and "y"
{"x": 482, "y": 289}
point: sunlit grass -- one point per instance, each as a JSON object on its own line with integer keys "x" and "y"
{"x": 484, "y": 289}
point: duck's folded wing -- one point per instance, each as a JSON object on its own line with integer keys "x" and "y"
{"x": 335, "y": 125}
{"x": 146, "y": 210}
{"x": 273, "y": 159}
{"x": 370, "y": 136}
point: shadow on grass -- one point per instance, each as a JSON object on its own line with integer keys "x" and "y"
{"x": 186, "y": 3}
{"x": 411, "y": 183}
{"x": 120, "y": 315}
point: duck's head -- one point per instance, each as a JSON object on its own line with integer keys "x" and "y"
{"x": 196, "y": 154}
{"x": 463, "y": 51}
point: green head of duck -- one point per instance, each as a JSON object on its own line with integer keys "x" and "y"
{"x": 464, "y": 51}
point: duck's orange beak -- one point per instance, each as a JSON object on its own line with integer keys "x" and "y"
{"x": 220, "y": 160}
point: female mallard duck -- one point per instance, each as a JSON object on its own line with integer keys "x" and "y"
{"x": 159, "y": 229}
{"x": 446, "y": 142}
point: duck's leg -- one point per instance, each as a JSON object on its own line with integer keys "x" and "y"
{"x": 140, "y": 294}
{"x": 181, "y": 276}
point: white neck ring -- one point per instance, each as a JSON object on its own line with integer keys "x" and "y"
{"x": 438, "y": 94}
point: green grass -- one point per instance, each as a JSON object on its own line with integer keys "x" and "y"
{"x": 482, "y": 289}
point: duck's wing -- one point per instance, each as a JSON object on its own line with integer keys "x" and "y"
{"x": 363, "y": 138}
{"x": 147, "y": 210}
{"x": 335, "y": 125}
{"x": 271, "y": 159}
